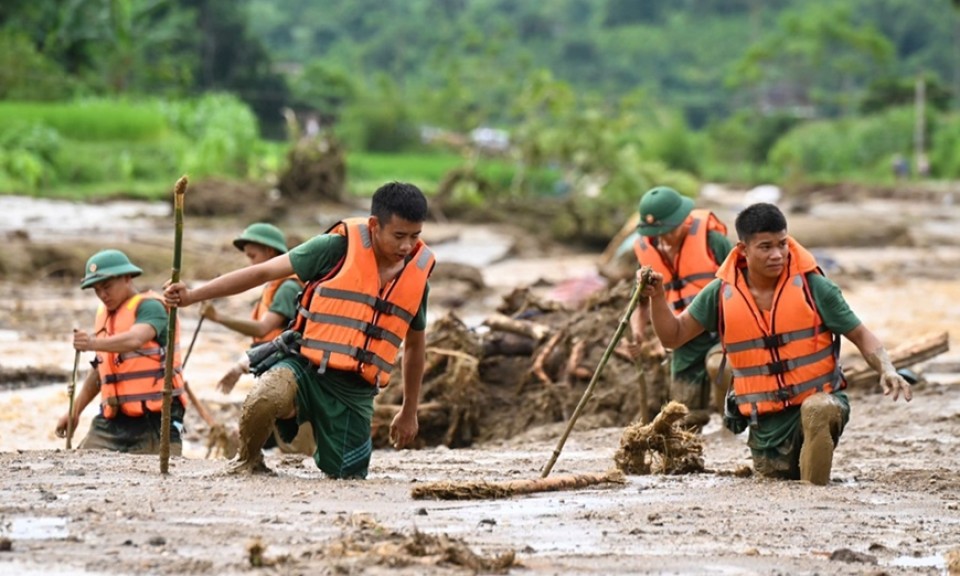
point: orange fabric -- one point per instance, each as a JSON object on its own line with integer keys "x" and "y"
{"x": 133, "y": 381}
{"x": 781, "y": 356}
{"x": 695, "y": 265}
{"x": 350, "y": 323}
{"x": 263, "y": 306}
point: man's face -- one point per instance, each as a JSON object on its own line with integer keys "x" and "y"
{"x": 766, "y": 253}
{"x": 258, "y": 253}
{"x": 113, "y": 291}
{"x": 394, "y": 239}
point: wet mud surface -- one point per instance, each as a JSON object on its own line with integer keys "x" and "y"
{"x": 891, "y": 506}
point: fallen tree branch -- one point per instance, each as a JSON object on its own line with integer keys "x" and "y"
{"x": 523, "y": 327}
{"x": 902, "y": 356}
{"x": 538, "y": 362}
{"x": 492, "y": 490}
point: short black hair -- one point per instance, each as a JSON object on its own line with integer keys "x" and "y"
{"x": 399, "y": 198}
{"x": 759, "y": 218}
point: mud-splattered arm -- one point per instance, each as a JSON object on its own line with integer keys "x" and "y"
{"x": 878, "y": 359}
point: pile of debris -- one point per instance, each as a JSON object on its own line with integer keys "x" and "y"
{"x": 528, "y": 365}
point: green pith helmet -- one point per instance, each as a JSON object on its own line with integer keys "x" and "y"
{"x": 107, "y": 264}
{"x": 264, "y": 234}
{"x": 661, "y": 210}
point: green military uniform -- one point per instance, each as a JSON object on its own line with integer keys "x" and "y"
{"x": 777, "y": 437}
{"x": 338, "y": 404}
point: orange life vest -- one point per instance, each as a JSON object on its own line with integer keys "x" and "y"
{"x": 133, "y": 381}
{"x": 263, "y": 306}
{"x": 695, "y": 265}
{"x": 348, "y": 323}
{"x": 781, "y": 358}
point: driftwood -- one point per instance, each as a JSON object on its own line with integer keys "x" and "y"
{"x": 902, "y": 356}
{"x": 523, "y": 327}
{"x": 491, "y": 490}
{"x": 540, "y": 360}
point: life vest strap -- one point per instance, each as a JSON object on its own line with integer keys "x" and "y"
{"x": 785, "y": 394}
{"x": 368, "y": 329}
{"x": 116, "y": 401}
{"x": 680, "y": 283}
{"x": 155, "y": 374}
{"x": 144, "y": 352}
{"x": 359, "y": 354}
{"x": 783, "y": 366}
{"x": 776, "y": 340}
{"x": 378, "y": 304}
{"x": 682, "y": 303}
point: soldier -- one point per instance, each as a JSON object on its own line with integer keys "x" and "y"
{"x": 129, "y": 337}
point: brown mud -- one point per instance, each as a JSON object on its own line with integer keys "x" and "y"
{"x": 494, "y": 404}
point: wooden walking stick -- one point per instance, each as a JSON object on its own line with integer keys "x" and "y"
{"x": 178, "y": 191}
{"x": 624, "y": 322}
{"x": 71, "y": 390}
{"x": 193, "y": 340}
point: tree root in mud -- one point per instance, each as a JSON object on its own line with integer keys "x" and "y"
{"x": 661, "y": 446}
{"x": 493, "y": 490}
{"x": 367, "y": 544}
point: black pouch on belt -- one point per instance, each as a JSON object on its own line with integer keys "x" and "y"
{"x": 269, "y": 353}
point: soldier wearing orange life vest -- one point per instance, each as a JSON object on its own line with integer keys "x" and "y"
{"x": 277, "y": 305}
{"x": 685, "y": 246}
{"x": 779, "y": 320}
{"x": 366, "y": 296}
{"x": 130, "y": 340}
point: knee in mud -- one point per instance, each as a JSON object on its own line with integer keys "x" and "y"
{"x": 276, "y": 390}
{"x": 821, "y": 411}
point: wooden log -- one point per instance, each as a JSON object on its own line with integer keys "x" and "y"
{"x": 523, "y": 327}
{"x": 492, "y": 490}
{"x": 538, "y": 362}
{"x": 902, "y": 356}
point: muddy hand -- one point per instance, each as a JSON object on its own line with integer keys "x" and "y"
{"x": 61, "y": 429}
{"x": 176, "y": 294}
{"x": 229, "y": 379}
{"x": 82, "y": 341}
{"x": 629, "y": 348}
{"x": 891, "y": 382}
{"x": 208, "y": 311}
{"x": 654, "y": 283}
{"x": 403, "y": 429}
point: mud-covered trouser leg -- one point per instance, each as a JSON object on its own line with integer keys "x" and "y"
{"x": 719, "y": 388}
{"x": 695, "y": 396}
{"x": 821, "y": 417}
{"x": 274, "y": 396}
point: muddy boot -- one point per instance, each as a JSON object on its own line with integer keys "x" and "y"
{"x": 821, "y": 417}
{"x": 274, "y": 396}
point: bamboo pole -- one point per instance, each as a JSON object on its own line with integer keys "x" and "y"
{"x": 71, "y": 390}
{"x": 494, "y": 490}
{"x": 624, "y": 322}
{"x": 193, "y": 340}
{"x": 178, "y": 191}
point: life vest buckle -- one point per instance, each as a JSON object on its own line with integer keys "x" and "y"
{"x": 773, "y": 341}
{"x": 373, "y": 331}
{"x": 365, "y": 356}
{"x": 779, "y": 367}
{"x": 382, "y": 306}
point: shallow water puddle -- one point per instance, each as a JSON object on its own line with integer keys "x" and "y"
{"x": 935, "y": 561}
{"x": 37, "y": 528}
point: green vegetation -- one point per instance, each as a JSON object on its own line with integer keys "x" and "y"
{"x": 600, "y": 99}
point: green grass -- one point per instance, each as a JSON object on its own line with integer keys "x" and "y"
{"x": 368, "y": 171}
{"x": 91, "y": 120}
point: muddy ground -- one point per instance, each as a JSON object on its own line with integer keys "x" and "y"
{"x": 892, "y": 507}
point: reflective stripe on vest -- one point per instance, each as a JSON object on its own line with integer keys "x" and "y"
{"x": 695, "y": 265}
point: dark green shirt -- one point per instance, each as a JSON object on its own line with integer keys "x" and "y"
{"x": 153, "y": 313}
{"x": 285, "y": 299}
{"x": 690, "y": 357}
